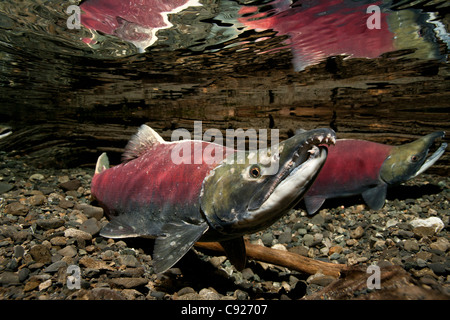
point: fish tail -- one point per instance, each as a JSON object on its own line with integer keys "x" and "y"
{"x": 102, "y": 163}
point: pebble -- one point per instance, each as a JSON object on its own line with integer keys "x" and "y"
{"x": 91, "y": 226}
{"x": 58, "y": 241}
{"x": 128, "y": 260}
{"x": 357, "y": 233}
{"x": 308, "y": 240}
{"x": 318, "y": 220}
{"x": 427, "y": 227}
{"x": 411, "y": 245}
{"x": 438, "y": 268}
{"x": 247, "y": 273}
{"x": 37, "y": 200}
{"x": 335, "y": 249}
{"x": 421, "y": 263}
{"x": 92, "y": 263}
{"x": 23, "y": 274}
{"x": 240, "y": 295}
{"x": 45, "y": 285}
{"x": 37, "y": 177}
{"x": 41, "y": 254}
{"x": 5, "y": 187}
{"x": 53, "y": 223}
{"x": 17, "y": 209}
{"x": 267, "y": 239}
{"x": 70, "y": 185}
{"x": 128, "y": 283}
{"x": 103, "y": 294}
{"x": 69, "y": 251}
{"x": 405, "y": 234}
{"x": 335, "y": 256}
{"x": 285, "y": 237}
{"x": 9, "y": 278}
{"x": 55, "y": 266}
{"x": 19, "y": 251}
{"x": 379, "y": 245}
{"x": 391, "y": 223}
{"x": 441, "y": 244}
{"x": 90, "y": 211}
{"x": 209, "y": 294}
{"x": 77, "y": 234}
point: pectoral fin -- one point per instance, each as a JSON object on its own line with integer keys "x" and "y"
{"x": 374, "y": 197}
{"x": 236, "y": 253}
{"x": 313, "y": 204}
{"x": 130, "y": 225}
{"x": 115, "y": 229}
{"x": 177, "y": 239}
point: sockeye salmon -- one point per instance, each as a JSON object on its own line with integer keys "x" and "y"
{"x": 356, "y": 167}
{"x": 219, "y": 199}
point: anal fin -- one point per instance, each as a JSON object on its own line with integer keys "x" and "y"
{"x": 177, "y": 239}
{"x": 235, "y": 251}
{"x": 374, "y": 197}
{"x": 313, "y": 203}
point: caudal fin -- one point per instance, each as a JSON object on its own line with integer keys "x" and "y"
{"x": 102, "y": 163}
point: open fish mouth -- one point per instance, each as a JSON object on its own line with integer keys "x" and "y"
{"x": 433, "y": 158}
{"x": 303, "y": 167}
{"x": 307, "y": 152}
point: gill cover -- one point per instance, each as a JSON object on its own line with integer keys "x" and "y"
{"x": 233, "y": 187}
{"x": 409, "y": 160}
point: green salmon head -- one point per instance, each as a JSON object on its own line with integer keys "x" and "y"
{"x": 240, "y": 197}
{"x": 409, "y": 160}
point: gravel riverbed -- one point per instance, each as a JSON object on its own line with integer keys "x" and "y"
{"x": 49, "y": 234}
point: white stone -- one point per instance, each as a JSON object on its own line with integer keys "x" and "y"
{"x": 432, "y": 222}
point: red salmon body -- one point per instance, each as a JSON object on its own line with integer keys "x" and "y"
{"x": 346, "y": 171}
{"x": 359, "y": 167}
{"x": 352, "y": 167}
{"x": 154, "y": 179}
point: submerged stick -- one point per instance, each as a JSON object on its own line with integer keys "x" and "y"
{"x": 282, "y": 258}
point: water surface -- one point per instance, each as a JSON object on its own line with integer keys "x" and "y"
{"x": 361, "y": 67}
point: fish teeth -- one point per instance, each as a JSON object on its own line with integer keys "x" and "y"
{"x": 314, "y": 150}
{"x": 320, "y": 138}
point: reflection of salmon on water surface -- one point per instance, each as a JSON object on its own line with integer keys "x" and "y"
{"x": 355, "y": 29}
{"x": 134, "y": 21}
{"x": 327, "y": 28}
{"x": 316, "y": 30}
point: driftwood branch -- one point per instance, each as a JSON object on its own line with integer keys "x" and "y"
{"x": 286, "y": 259}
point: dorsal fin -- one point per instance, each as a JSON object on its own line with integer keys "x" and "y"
{"x": 144, "y": 139}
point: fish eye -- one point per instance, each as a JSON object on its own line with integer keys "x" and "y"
{"x": 255, "y": 171}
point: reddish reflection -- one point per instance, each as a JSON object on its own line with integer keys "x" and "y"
{"x": 319, "y": 29}
{"x": 134, "y": 21}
